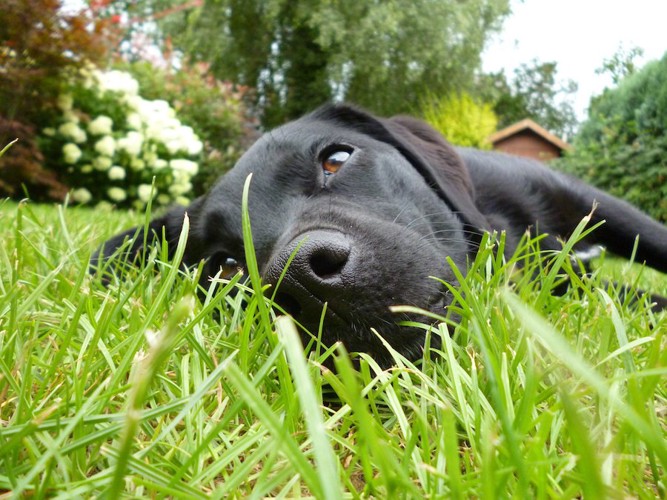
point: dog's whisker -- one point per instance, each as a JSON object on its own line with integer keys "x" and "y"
{"x": 398, "y": 215}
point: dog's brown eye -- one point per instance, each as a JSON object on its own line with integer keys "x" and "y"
{"x": 335, "y": 160}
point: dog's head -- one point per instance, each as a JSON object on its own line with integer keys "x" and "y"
{"x": 367, "y": 209}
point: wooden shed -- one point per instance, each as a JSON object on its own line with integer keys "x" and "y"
{"x": 527, "y": 138}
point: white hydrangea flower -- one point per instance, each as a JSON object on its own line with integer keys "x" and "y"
{"x": 102, "y": 163}
{"x": 195, "y": 146}
{"x": 163, "y": 199}
{"x": 162, "y": 107}
{"x": 134, "y": 121}
{"x": 180, "y": 177}
{"x": 173, "y": 146}
{"x": 144, "y": 192}
{"x": 162, "y": 131}
{"x": 116, "y": 173}
{"x": 88, "y": 73}
{"x": 131, "y": 143}
{"x": 182, "y": 200}
{"x": 104, "y": 206}
{"x": 81, "y": 195}
{"x": 137, "y": 164}
{"x": 183, "y": 165}
{"x": 65, "y": 102}
{"x": 178, "y": 189}
{"x": 49, "y": 131}
{"x": 160, "y": 163}
{"x": 71, "y": 116}
{"x": 72, "y": 153}
{"x": 176, "y": 137}
{"x": 175, "y": 124}
{"x": 72, "y": 131}
{"x": 102, "y": 125}
{"x": 158, "y": 111}
{"x": 106, "y": 146}
{"x": 150, "y": 157}
{"x": 116, "y": 194}
{"x": 134, "y": 102}
{"x": 86, "y": 169}
{"x": 117, "y": 81}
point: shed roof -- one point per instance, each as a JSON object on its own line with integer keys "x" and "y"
{"x": 528, "y": 124}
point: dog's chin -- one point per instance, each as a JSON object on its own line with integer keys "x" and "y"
{"x": 361, "y": 332}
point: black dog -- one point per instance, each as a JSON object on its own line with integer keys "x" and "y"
{"x": 375, "y": 206}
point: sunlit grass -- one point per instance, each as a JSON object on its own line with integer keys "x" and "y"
{"x": 145, "y": 388}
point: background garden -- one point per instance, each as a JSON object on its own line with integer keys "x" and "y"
{"x": 140, "y": 389}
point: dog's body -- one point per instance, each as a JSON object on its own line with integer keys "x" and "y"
{"x": 370, "y": 209}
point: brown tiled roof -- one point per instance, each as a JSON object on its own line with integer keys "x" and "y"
{"x": 528, "y": 124}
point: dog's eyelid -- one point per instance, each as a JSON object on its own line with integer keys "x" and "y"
{"x": 333, "y": 147}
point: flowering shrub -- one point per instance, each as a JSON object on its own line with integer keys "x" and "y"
{"x": 113, "y": 146}
{"x": 217, "y": 111}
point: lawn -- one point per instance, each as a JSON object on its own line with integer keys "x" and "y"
{"x": 144, "y": 388}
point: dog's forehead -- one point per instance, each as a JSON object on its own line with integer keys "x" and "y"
{"x": 303, "y": 135}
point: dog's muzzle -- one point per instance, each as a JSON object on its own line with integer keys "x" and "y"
{"x": 315, "y": 268}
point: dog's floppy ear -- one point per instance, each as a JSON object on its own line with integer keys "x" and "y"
{"x": 427, "y": 151}
{"x": 131, "y": 246}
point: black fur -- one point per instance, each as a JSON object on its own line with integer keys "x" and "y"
{"x": 373, "y": 233}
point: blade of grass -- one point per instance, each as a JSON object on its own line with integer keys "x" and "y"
{"x": 324, "y": 455}
{"x": 255, "y": 401}
{"x": 587, "y": 463}
{"x": 142, "y": 379}
{"x": 547, "y": 336}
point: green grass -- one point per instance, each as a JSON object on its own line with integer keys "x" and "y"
{"x": 139, "y": 389}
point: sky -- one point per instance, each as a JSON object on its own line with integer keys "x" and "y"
{"x": 579, "y": 35}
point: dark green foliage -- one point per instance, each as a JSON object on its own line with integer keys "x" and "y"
{"x": 621, "y": 64}
{"x": 622, "y": 148}
{"x": 300, "y": 54}
{"x": 533, "y": 93}
{"x": 637, "y": 108}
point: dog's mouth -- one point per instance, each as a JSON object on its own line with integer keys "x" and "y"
{"x": 354, "y": 327}
{"x": 339, "y": 287}
{"x": 440, "y": 301}
{"x": 288, "y": 304}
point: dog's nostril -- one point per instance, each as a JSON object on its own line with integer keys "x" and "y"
{"x": 327, "y": 262}
{"x": 289, "y": 304}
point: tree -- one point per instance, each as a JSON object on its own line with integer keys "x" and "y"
{"x": 621, "y": 64}
{"x": 301, "y": 53}
{"x": 622, "y": 147}
{"x": 534, "y": 93}
{"x": 462, "y": 120}
{"x": 41, "y": 47}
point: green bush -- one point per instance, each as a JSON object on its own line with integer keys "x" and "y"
{"x": 111, "y": 145}
{"x": 216, "y": 110}
{"x": 622, "y": 147}
{"x": 462, "y": 120}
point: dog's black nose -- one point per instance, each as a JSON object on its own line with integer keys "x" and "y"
{"x": 317, "y": 272}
